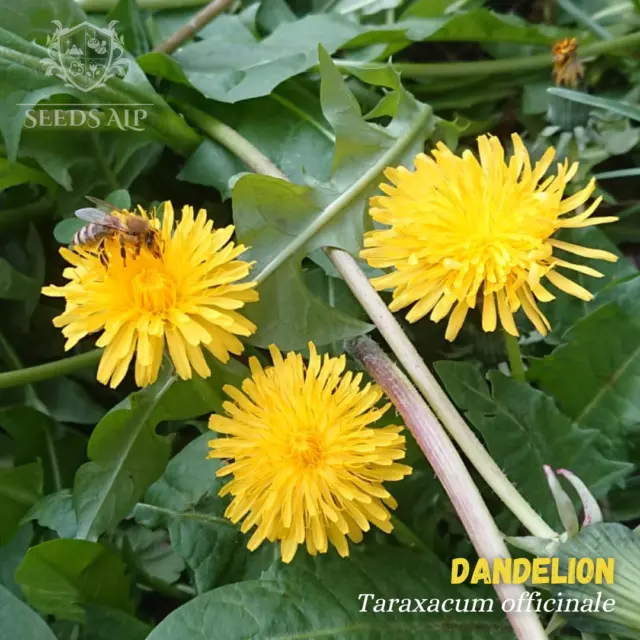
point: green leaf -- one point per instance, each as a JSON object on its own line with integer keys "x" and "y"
{"x": 11, "y": 555}
{"x": 24, "y": 81}
{"x": 17, "y": 620}
{"x": 64, "y": 231}
{"x": 228, "y": 68}
{"x": 67, "y": 401}
{"x": 15, "y": 285}
{"x": 126, "y": 457}
{"x": 56, "y": 512}
{"x": 58, "y": 577}
{"x": 126, "y": 453}
{"x": 131, "y": 26}
{"x": 199, "y": 396}
{"x": 89, "y": 161}
{"x": 152, "y": 554}
{"x": 213, "y": 166}
{"x": 119, "y": 198}
{"x": 603, "y": 541}
{"x": 283, "y": 222}
{"x": 31, "y": 19}
{"x": 185, "y": 500}
{"x": 20, "y": 489}
{"x": 322, "y": 597}
{"x": 292, "y": 315}
{"x": 524, "y": 430}
{"x": 272, "y": 13}
{"x": 566, "y": 310}
{"x": 104, "y": 623}
{"x": 287, "y": 126}
{"x": 620, "y": 173}
{"x": 595, "y": 372}
{"x": 14, "y": 173}
{"x": 39, "y": 437}
{"x": 615, "y": 106}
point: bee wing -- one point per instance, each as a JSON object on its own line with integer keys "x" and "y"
{"x": 102, "y": 204}
{"x": 90, "y": 214}
{"x": 98, "y": 217}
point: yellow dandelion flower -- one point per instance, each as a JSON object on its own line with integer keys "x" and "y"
{"x": 187, "y": 297}
{"x": 567, "y": 69}
{"x": 462, "y": 228}
{"x": 306, "y": 465}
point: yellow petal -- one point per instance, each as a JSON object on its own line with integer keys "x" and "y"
{"x": 569, "y": 287}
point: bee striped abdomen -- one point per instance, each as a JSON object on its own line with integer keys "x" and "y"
{"x": 90, "y": 234}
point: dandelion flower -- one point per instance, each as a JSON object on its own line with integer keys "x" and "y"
{"x": 187, "y": 297}
{"x": 567, "y": 69}
{"x": 306, "y": 464}
{"x": 462, "y": 228}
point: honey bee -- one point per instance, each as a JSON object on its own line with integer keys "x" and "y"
{"x": 132, "y": 230}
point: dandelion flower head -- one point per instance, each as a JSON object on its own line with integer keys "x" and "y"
{"x": 567, "y": 68}
{"x": 307, "y": 466}
{"x": 188, "y": 297}
{"x": 463, "y": 229}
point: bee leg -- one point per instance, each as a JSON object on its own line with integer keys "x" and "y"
{"x": 138, "y": 249}
{"x": 123, "y": 250}
{"x": 102, "y": 254}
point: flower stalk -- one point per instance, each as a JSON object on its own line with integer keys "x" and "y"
{"x": 420, "y": 70}
{"x": 49, "y": 370}
{"x": 450, "y": 469}
{"x": 514, "y": 355}
{"x": 438, "y": 400}
{"x": 397, "y": 340}
{"x": 192, "y": 26}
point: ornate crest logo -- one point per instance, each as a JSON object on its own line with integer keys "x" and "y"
{"x": 85, "y": 56}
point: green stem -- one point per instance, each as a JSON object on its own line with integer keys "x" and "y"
{"x": 450, "y": 470}
{"x": 230, "y": 139}
{"x": 192, "y": 26}
{"x": 49, "y": 370}
{"x": 430, "y": 388}
{"x": 178, "y": 591}
{"x": 404, "y": 350}
{"x": 490, "y": 67}
{"x": 515, "y": 357}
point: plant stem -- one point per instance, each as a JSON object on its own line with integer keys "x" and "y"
{"x": 399, "y": 343}
{"x": 49, "y": 370}
{"x": 191, "y": 27}
{"x": 450, "y": 469}
{"x": 514, "y": 356}
{"x": 435, "y": 395}
{"x": 490, "y": 67}
{"x": 230, "y": 139}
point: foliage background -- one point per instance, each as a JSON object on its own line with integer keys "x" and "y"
{"x": 110, "y": 515}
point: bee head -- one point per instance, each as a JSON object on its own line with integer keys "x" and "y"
{"x": 153, "y": 242}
